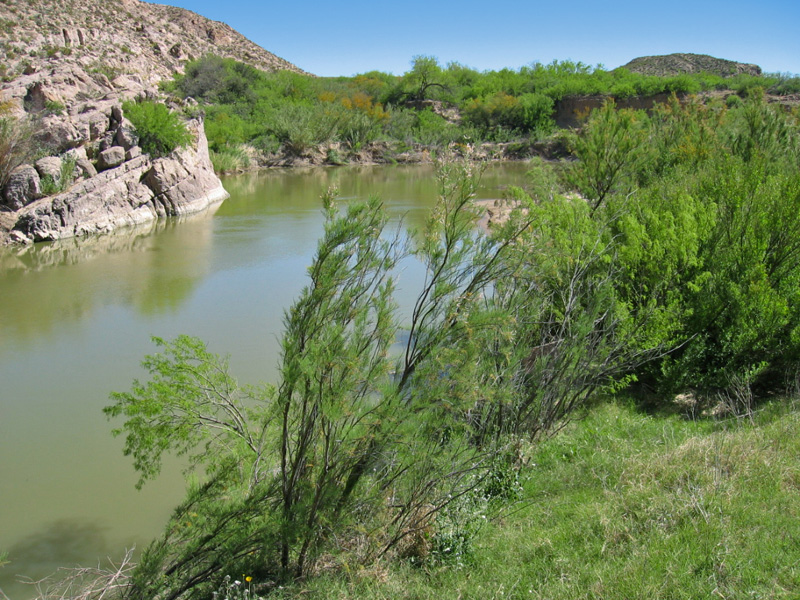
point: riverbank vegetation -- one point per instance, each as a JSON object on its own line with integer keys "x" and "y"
{"x": 622, "y": 504}
{"x": 254, "y": 116}
{"x": 575, "y": 407}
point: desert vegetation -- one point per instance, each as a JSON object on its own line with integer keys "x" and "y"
{"x": 430, "y": 106}
{"x": 160, "y": 131}
{"x": 577, "y": 399}
{"x": 15, "y": 143}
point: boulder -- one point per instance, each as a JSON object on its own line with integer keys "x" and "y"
{"x": 126, "y": 135}
{"x": 83, "y": 165}
{"x": 165, "y": 175}
{"x": 110, "y": 158}
{"x": 49, "y": 166}
{"x": 132, "y": 153}
{"x": 76, "y": 153}
{"x": 23, "y": 187}
{"x": 58, "y": 134}
{"x": 86, "y": 167}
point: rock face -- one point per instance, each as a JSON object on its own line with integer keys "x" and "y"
{"x": 67, "y": 66}
{"x": 121, "y": 187}
{"x": 137, "y": 191}
{"x": 58, "y": 52}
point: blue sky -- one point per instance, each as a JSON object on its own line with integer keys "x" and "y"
{"x": 345, "y": 38}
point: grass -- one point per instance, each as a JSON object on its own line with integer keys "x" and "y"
{"x": 628, "y": 505}
{"x": 230, "y": 159}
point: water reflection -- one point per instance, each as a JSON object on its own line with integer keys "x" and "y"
{"x": 62, "y": 543}
{"x": 65, "y": 541}
{"x": 48, "y": 287}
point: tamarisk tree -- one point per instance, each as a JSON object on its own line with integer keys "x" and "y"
{"x": 357, "y": 440}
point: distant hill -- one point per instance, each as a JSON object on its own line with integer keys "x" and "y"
{"x": 676, "y": 64}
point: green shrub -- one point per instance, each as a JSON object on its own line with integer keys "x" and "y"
{"x": 353, "y": 442}
{"x": 623, "y": 90}
{"x": 15, "y": 144}
{"x": 785, "y": 86}
{"x": 434, "y": 130}
{"x": 267, "y": 143}
{"x": 301, "y": 127}
{"x": 224, "y": 127}
{"x": 333, "y": 157}
{"x": 516, "y": 115}
{"x": 733, "y": 101}
{"x": 536, "y": 113}
{"x": 744, "y": 84}
{"x": 160, "y": 131}
{"x": 356, "y": 128}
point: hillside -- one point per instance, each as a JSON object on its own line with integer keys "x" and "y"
{"x": 676, "y": 64}
{"x": 82, "y": 49}
{"x": 66, "y": 67}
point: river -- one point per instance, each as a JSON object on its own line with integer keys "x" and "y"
{"x": 76, "y": 318}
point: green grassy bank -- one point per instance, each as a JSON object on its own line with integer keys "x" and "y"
{"x": 626, "y": 505}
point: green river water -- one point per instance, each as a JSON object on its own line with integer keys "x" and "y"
{"x": 76, "y": 318}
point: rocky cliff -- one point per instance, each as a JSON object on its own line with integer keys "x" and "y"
{"x": 68, "y": 66}
{"x": 76, "y": 49}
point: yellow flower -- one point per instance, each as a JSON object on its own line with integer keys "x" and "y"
{"x": 248, "y": 579}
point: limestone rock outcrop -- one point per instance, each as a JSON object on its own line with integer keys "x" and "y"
{"x": 68, "y": 67}
{"x": 136, "y": 191}
{"x": 110, "y": 158}
{"x": 61, "y": 52}
{"x": 49, "y": 166}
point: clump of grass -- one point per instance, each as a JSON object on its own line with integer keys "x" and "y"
{"x": 628, "y": 505}
{"x": 52, "y": 185}
{"x": 230, "y": 159}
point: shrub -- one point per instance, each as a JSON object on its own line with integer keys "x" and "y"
{"x": 354, "y": 441}
{"x": 301, "y": 127}
{"x": 53, "y": 107}
{"x": 434, "y": 130}
{"x": 607, "y": 152}
{"x": 786, "y": 85}
{"x": 15, "y": 144}
{"x": 536, "y": 113}
{"x": 733, "y": 101}
{"x": 623, "y": 90}
{"x": 357, "y": 128}
{"x": 160, "y": 130}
